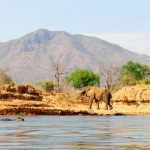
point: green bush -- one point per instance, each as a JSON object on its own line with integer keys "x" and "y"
{"x": 5, "y": 79}
{"x": 82, "y": 77}
{"x": 145, "y": 81}
{"x": 128, "y": 80}
{"x": 46, "y": 85}
{"x": 131, "y": 73}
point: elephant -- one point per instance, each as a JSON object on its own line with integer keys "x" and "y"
{"x": 99, "y": 95}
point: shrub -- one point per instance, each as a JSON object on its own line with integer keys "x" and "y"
{"x": 5, "y": 79}
{"x": 145, "y": 81}
{"x": 82, "y": 77}
{"x": 46, "y": 85}
{"x": 131, "y": 73}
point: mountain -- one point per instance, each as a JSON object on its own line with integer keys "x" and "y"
{"x": 28, "y": 59}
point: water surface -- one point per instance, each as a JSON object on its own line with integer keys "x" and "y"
{"x": 76, "y": 132}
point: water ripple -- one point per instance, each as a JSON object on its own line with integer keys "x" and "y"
{"x": 76, "y": 132}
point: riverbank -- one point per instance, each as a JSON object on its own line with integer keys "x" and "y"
{"x": 31, "y": 108}
{"x": 54, "y": 107}
{"x": 69, "y": 103}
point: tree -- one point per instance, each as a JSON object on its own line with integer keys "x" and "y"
{"x": 132, "y": 72}
{"x": 58, "y": 71}
{"x": 4, "y": 78}
{"x": 46, "y": 85}
{"x": 82, "y": 77}
{"x": 109, "y": 74}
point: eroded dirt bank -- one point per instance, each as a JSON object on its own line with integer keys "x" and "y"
{"x": 25, "y": 100}
{"x": 133, "y": 100}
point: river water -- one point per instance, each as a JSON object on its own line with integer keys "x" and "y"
{"x": 76, "y": 132}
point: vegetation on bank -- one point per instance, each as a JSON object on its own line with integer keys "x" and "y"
{"x": 46, "y": 85}
{"x": 82, "y": 77}
{"x": 130, "y": 73}
{"x": 27, "y": 100}
{"x": 133, "y": 73}
{"x": 4, "y": 78}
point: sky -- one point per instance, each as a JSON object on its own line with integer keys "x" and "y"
{"x": 122, "y": 22}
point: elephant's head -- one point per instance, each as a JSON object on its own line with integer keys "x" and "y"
{"x": 85, "y": 91}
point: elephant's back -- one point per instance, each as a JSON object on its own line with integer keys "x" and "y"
{"x": 91, "y": 92}
{"x": 95, "y": 91}
{"x": 100, "y": 89}
{"x": 99, "y": 92}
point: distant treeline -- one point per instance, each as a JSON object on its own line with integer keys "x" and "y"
{"x": 130, "y": 73}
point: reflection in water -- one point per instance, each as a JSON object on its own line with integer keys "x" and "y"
{"x": 76, "y": 132}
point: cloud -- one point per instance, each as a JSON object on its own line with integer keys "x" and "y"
{"x": 137, "y": 42}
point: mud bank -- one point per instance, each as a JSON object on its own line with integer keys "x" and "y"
{"x": 43, "y": 109}
{"x": 50, "y": 107}
{"x": 36, "y": 111}
{"x": 127, "y": 101}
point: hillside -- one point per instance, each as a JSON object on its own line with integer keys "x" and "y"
{"x": 28, "y": 59}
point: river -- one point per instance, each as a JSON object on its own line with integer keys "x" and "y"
{"x": 76, "y": 132}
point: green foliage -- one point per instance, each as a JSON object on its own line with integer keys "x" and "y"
{"x": 5, "y": 79}
{"x": 131, "y": 73}
{"x": 81, "y": 77}
{"x": 128, "y": 79}
{"x": 46, "y": 85}
{"x": 145, "y": 81}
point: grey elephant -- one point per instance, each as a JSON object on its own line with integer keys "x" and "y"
{"x": 99, "y": 95}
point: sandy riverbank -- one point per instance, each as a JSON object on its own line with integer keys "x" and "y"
{"x": 69, "y": 104}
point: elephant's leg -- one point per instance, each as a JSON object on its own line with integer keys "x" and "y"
{"x": 106, "y": 103}
{"x": 109, "y": 99}
{"x": 110, "y": 106}
{"x": 106, "y": 106}
{"x": 91, "y": 102}
{"x": 97, "y": 102}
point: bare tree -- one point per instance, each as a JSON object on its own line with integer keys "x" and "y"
{"x": 109, "y": 74}
{"x": 58, "y": 71}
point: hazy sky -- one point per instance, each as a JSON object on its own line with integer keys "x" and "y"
{"x": 125, "y": 22}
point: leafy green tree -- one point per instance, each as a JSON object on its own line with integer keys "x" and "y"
{"x": 4, "y": 78}
{"x": 82, "y": 77}
{"x": 132, "y": 72}
{"x": 46, "y": 85}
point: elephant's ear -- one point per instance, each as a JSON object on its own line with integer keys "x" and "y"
{"x": 83, "y": 92}
{"x": 88, "y": 88}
